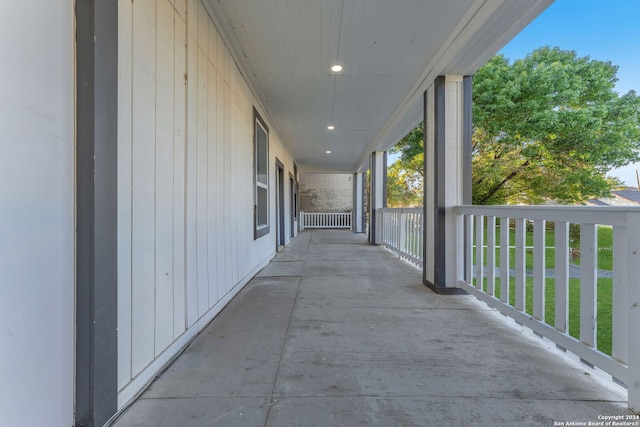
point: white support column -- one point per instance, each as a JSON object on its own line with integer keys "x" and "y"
{"x": 358, "y": 202}
{"x": 633, "y": 295}
{"x": 378, "y": 192}
{"x": 447, "y": 157}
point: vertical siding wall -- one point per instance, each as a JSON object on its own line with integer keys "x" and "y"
{"x": 37, "y": 213}
{"x": 185, "y": 168}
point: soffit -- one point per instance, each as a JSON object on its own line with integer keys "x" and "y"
{"x": 390, "y": 50}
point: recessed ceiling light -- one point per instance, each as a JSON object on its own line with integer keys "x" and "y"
{"x": 328, "y": 152}
{"x": 336, "y": 68}
{"x": 331, "y": 127}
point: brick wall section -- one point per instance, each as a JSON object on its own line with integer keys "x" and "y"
{"x": 326, "y": 192}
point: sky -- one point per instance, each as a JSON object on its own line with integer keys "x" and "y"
{"x": 606, "y": 30}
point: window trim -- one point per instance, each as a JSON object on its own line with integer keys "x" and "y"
{"x": 260, "y": 230}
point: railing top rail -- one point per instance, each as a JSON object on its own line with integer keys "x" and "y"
{"x": 609, "y": 215}
{"x": 327, "y": 213}
{"x": 401, "y": 210}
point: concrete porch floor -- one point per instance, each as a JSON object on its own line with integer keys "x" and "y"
{"x": 336, "y": 332}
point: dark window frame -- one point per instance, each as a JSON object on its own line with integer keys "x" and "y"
{"x": 261, "y": 219}
{"x": 296, "y": 211}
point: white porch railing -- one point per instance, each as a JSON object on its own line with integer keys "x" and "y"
{"x": 509, "y": 273}
{"x": 325, "y": 220}
{"x": 401, "y": 232}
{"x": 504, "y": 265}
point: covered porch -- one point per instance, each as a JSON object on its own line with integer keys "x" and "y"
{"x": 335, "y": 331}
{"x": 170, "y": 137}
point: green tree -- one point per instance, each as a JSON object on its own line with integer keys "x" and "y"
{"x": 546, "y": 127}
{"x": 549, "y": 126}
{"x": 405, "y": 176}
{"x": 400, "y": 194}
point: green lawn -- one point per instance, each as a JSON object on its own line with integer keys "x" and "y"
{"x": 604, "y": 305}
{"x": 605, "y": 248}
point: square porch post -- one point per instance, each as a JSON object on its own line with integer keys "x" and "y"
{"x": 633, "y": 307}
{"x": 378, "y": 192}
{"x": 358, "y": 203}
{"x": 447, "y": 163}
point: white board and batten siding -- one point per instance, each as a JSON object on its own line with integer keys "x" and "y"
{"x": 185, "y": 183}
{"x": 37, "y": 213}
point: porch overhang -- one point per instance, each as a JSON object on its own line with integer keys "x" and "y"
{"x": 390, "y": 51}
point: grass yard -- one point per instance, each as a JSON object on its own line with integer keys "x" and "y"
{"x": 604, "y": 286}
{"x": 604, "y": 313}
{"x": 605, "y": 248}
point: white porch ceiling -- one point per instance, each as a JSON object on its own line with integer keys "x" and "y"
{"x": 390, "y": 50}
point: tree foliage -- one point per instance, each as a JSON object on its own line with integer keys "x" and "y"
{"x": 549, "y": 126}
{"x": 403, "y": 191}
{"x": 405, "y": 176}
{"x": 545, "y": 128}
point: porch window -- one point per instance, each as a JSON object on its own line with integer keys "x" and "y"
{"x": 261, "y": 170}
